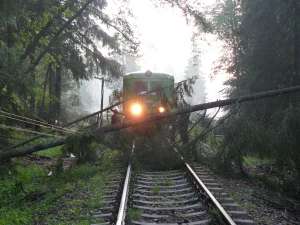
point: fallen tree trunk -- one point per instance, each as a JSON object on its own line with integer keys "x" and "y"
{"x": 99, "y": 132}
{"x": 4, "y": 155}
{"x": 77, "y": 121}
{"x": 204, "y": 106}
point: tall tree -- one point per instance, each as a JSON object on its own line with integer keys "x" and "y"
{"x": 43, "y": 42}
{"x": 265, "y": 42}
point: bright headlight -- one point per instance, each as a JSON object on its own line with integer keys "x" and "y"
{"x": 161, "y": 109}
{"x": 136, "y": 109}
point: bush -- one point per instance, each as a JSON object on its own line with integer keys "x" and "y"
{"x": 109, "y": 158}
{"x": 83, "y": 146}
{"x": 81, "y": 172}
{"x": 51, "y": 152}
{"x": 156, "y": 153}
{"x": 15, "y": 216}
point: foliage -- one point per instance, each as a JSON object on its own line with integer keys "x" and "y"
{"x": 151, "y": 156}
{"x": 29, "y": 196}
{"x": 261, "y": 53}
{"x": 134, "y": 214}
{"x": 109, "y": 158}
{"x": 83, "y": 146}
{"x": 51, "y": 152}
{"x": 45, "y": 44}
{"x": 190, "y": 9}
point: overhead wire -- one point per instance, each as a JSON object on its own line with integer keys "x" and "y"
{"x": 190, "y": 109}
{"x": 27, "y": 130}
{"x": 31, "y": 123}
{"x": 35, "y": 121}
{"x": 35, "y": 124}
{"x": 104, "y": 110}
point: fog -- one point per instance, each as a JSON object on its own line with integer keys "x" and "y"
{"x": 167, "y": 46}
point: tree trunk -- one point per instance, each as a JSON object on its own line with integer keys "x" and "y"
{"x": 57, "y": 92}
{"x": 5, "y": 155}
{"x": 98, "y": 132}
{"x": 296, "y": 38}
{"x": 32, "y": 96}
{"x": 51, "y": 105}
{"x": 42, "y": 109}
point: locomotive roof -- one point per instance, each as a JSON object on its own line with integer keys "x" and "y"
{"x": 148, "y": 75}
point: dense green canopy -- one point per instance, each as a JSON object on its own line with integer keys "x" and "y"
{"x": 262, "y": 52}
{"x": 48, "y": 46}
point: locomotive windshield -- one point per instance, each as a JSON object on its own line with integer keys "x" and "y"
{"x": 155, "y": 86}
{"x": 140, "y": 87}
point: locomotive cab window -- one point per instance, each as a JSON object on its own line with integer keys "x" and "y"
{"x": 156, "y": 87}
{"x": 140, "y": 87}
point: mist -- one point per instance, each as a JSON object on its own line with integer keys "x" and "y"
{"x": 164, "y": 49}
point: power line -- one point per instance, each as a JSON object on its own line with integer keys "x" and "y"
{"x": 31, "y": 123}
{"x": 100, "y": 131}
{"x": 27, "y": 130}
{"x": 35, "y": 120}
{"x": 199, "y": 107}
{"x": 36, "y": 124}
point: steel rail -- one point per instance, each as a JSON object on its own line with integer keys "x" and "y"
{"x": 123, "y": 204}
{"x": 227, "y": 218}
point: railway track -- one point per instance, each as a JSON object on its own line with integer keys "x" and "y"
{"x": 108, "y": 211}
{"x": 189, "y": 196}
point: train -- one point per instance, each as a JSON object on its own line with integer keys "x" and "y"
{"x": 145, "y": 94}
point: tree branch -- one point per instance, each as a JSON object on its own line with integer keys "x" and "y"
{"x": 35, "y": 41}
{"x": 56, "y": 35}
{"x": 99, "y": 132}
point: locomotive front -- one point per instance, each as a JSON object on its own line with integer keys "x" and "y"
{"x": 147, "y": 94}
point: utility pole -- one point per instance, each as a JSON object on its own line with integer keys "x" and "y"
{"x": 100, "y": 115}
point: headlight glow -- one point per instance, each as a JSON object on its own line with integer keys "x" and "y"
{"x": 161, "y": 109}
{"x": 136, "y": 109}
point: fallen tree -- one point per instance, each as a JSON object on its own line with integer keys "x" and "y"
{"x": 5, "y": 155}
{"x": 99, "y": 132}
{"x": 82, "y": 119}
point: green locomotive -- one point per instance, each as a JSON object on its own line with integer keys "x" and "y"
{"x": 145, "y": 94}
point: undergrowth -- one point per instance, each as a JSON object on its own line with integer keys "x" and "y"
{"x": 51, "y": 152}
{"x": 261, "y": 170}
{"x": 29, "y": 196}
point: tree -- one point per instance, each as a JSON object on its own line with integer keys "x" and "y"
{"x": 262, "y": 38}
{"x": 42, "y": 43}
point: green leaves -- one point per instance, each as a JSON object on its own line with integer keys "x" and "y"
{"x": 73, "y": 38}
{"x": 262, "y": 53}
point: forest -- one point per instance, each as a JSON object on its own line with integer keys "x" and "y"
{"x": 49, "y": 48}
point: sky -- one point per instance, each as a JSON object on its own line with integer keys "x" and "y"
{"x": 165, "y": 38}
{"x": 165, "y": 46}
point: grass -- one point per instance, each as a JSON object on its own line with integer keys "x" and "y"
{"x": 29, "y": 196}
{"x": 156, "y": 190}
{"x": 255, "y": 161}
{"x": 134, "y": 214}
{"x": 168, "y": 182}
{"x": 51, "y": 152}
{"x": 215, "y": 217}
